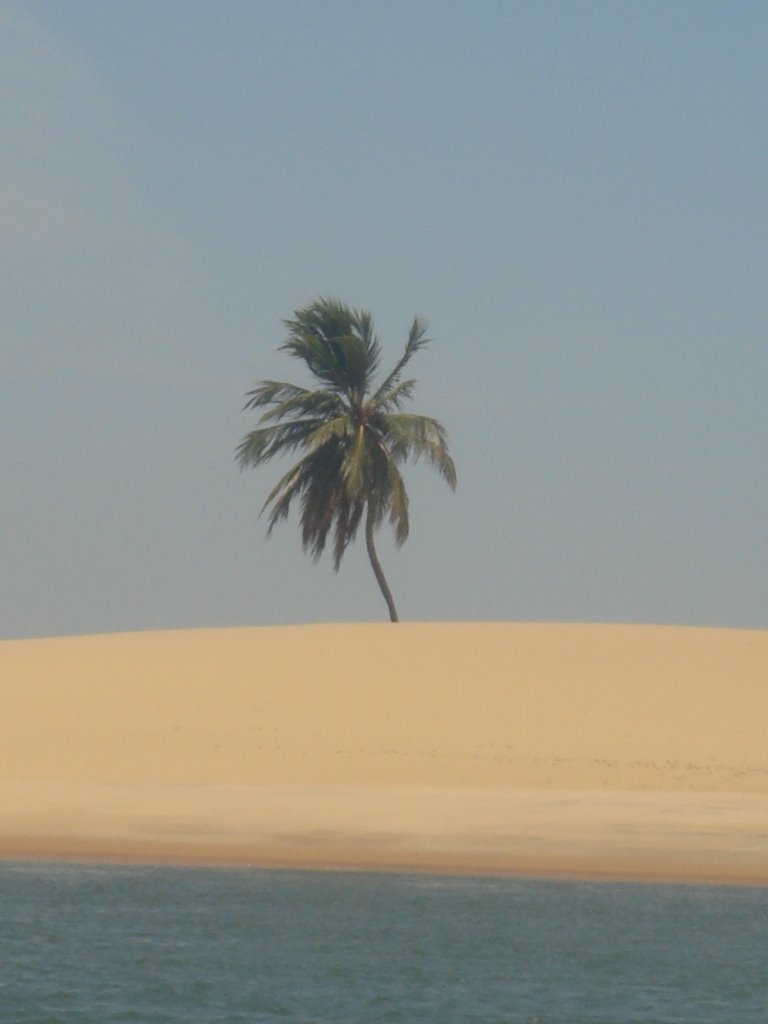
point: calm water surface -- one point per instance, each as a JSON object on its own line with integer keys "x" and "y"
{"x": 151, "y": 945}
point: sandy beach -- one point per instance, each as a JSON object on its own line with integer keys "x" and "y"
{"x": 566, "y": 750}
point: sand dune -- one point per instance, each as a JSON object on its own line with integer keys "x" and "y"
{"x": 606, "y": 751}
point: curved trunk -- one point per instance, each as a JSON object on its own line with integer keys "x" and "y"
{"x": 376, "y": 566}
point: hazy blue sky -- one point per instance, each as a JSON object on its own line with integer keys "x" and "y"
{"x": 573, "y": 194}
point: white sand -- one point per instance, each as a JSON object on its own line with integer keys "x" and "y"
{"x": 600, "y": 751}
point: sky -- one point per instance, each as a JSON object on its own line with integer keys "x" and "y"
{"x": 573, "y": 195}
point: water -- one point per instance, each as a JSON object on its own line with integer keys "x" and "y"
{"x": 148, "y": 945}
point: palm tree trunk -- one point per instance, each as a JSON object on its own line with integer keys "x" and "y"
{"x": 376, "y": 565}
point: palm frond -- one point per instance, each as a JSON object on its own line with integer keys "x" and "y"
{"x": 263, "y": 443}
{"x": 313, "y": 480}
{"x": 287, "y": 400}
{"x": 410, "y": 436}
{"x": 417, "y": 339}
{"x": 394, "y": 398}
{"x": 348, "y": 517}
{"x": 268, "y": 392}
{"x": 338, "y": 428}
{"x": 337, "y": 343}
{"x": 366, "y": 333}
{"x": 398, "y": 502}
{"x": 356, "y": 465}
{"x": 320, "y": 498}
{"x": 283, "y": 493}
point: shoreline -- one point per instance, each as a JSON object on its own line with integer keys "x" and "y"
{"x": 553, "y": 751}
{"x": 620, "y": 835}
{"x": 72, "y": 856}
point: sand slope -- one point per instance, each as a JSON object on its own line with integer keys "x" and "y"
{"x": 570, "y": 749}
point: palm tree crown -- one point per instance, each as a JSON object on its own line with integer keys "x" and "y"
{"x": 352, "y": 434}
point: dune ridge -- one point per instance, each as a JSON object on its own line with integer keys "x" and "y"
{"x": 549, "y": 749}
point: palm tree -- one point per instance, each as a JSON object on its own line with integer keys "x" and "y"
{"x": 352, "y": 434}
